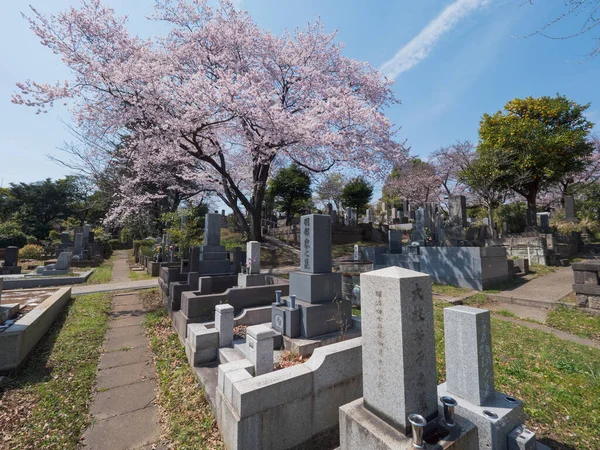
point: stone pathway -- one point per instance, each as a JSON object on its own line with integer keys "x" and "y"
{"x": 540, "y": 292}
{"x": 120, "y": 272}
{"x": 124, "y": 415}
{"x": 113, "y": 287}
{"x": 555, "y": 332}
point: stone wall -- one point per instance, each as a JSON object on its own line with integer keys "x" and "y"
{"x": 587, "y": 284}
{"x": 469, "y": 267}
{"x": 288, "y": 407}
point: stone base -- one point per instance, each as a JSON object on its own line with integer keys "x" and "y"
{"x": 222, "y": 267}
{"x": 316, "y": 287}
{"x": 323, "y": 318}
{"x": 251, "y": 279}
{"x": 360, "y": 429}
{"x": 286, "y": 320}
{"x": 493, "y": 432}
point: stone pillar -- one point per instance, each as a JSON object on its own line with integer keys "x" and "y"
{"x": 259, "y": 339}
{"x": 224, "y": 324}
{"x": 394, "y": 214}
{"x": 398, "y": 379}
{"x": 193, "y": 280}
{"x": 570, "y": 208}
{"x": 11, "y": 256}
{"x": 236, "y": 259}
{"x": 212, "y": 229}
{"x": 469, "y": 361}
{"x": 78, "y": 247}
{"x": 253, "y": 255}
{"x": 315, "y": 248}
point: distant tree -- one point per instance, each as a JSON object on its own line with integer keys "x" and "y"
{"x": 543, "y": 138}
{"x": 290, "y": 191}
{"x": 486, "y": 179}
{"x": 357, "y": 194}
{"x": 331, "y": 188}
{"x": 448, "y": 163}
{"x": 37, "y": 206}
{"x": 414, "y": 180}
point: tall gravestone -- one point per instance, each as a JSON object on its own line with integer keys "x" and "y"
{"x": 470, "y": 378}
{"x": 395, "y": 241}
{"x": 418, "y": 234}
{"x": 212, "y": 255}
{"x": 458, "y": 210}
{"x": 398, "y": 368}
{"x": 78, "y": 246}
{"x": 570, "y": 208}
{"x": 319, "y": 303}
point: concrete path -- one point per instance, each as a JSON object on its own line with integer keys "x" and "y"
{"x": 555, "y": 332}
{"x": 540, "y": 292}
{"x": 120, "y": 272}
{"x": 124, "y": 416}
{"x": 114, "y": 287}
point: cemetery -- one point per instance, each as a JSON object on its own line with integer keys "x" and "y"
{"x": 251, "y": 239}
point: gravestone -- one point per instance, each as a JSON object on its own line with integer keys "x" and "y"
{"x": 86, "y": 235}
{"x": 470, "y": 378}
{"x": 212, "y": 257}
{"x": 11, "y": 256}
{"x": 253, "y": 254}
{"x": 388, "y": 216}
{"x": 405, "y": 207}
{"x": 63, "y": 262}
{"x": 320, "y": 307}
{"x": 356, "y": 252}
{"x": 395, "y": 241}
{"x": 65, "y": 238}
{"x": 570, "y": 208}
{"x": 458, "y": 210}
{"x": 78, "y": 246}
{"x": 394, "y": 214}
{"x": 418, "y": 234}
{"x": 544, "y": 222}
{"x": 368, "y": 216}
{"x": 212, "y": 229}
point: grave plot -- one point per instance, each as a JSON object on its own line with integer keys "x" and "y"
{"x": 24, "y": 321}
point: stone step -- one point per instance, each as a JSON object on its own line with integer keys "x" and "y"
{"x": 230, "y": 354}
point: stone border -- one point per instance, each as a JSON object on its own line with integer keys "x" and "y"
{"x": 18, "y": 340}
{"x": 39, "y": 282}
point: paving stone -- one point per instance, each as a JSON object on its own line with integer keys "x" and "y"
{"x": 123, "y": 399}
{"x": 127, "y": 431}
{"x": 130, "y": 339}
{"x": 126, "y": 321}
{"x": 122, "y": 375}
{"x": 124, "y": 357}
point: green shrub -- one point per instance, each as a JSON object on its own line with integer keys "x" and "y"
{"x": 11, "y": 235}
{"x": 103, "y": 240}
{"x": 31, "y": 240}
{"x": 54, "y": 235}
{"x": 31, "y": 251}
{"x": 114, "y": 243}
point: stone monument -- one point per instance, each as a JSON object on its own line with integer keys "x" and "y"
{"x": 315, "y": 305}
{"x": 210, "y": 258}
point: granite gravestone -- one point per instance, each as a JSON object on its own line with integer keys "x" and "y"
{"x": 78, "y": 246}
{"x": 11, "y": 256}
{"x": 253, "y": 252}
{"x": 458, "y": 210}
{"x": 320, "y": 307}
{"x": 395, "y": 241}
{"x": 570, "y": 208}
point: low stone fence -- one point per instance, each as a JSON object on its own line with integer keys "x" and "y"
{"x": 587, "y": 284}
{"x": 18, "y": 340}
{"x": 288, "y": 407}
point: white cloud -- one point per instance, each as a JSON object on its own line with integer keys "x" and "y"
{"x": 423, "y": 43}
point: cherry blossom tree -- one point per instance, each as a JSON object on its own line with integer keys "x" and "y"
{"x": 219, "y": 98}
{"x": 415, "y": 180}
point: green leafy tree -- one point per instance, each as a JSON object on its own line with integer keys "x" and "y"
{"x": 290, "y": 191}
{"x": 542, "y": 138}
{"x": 331, "y": 188}
{"x": 357, "y": 194}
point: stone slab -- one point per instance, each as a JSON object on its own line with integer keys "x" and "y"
{"x": 127, "y": 431}
{"x": 123, "y": 375}
{"x": 124, "y": 357}
{"x": 122, "y": 399}
{"x": 315, "y": 243}
{"x": 316, "y": 287}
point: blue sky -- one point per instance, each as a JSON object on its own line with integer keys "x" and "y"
{"x": 452, "y": 61}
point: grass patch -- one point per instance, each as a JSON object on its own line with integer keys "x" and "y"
{"x": 475, "y": 300}
{"x": 505, "y": 313}
{"x": 451, "y": 291}
{"x": 102, "y": 274}
{"x": 575, "y": 322}
{"x": 141, "y": 275}
{"x": 540, "y": 270}
{"x": 558, "y": 380}
{"x": 356, "y": 312}
{"x": 231, "y": 239}
{"x": 46, "y": 405}
{"x": 187, "y": 419}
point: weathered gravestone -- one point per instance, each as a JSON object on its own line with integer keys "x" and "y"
{"x": 570, "y": 208}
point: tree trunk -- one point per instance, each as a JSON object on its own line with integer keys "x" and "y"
{"x": 531, "y": 214}
{"x": 491, "y": 227}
